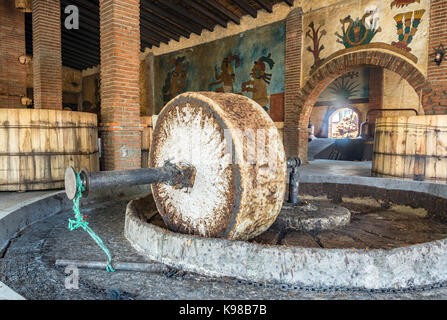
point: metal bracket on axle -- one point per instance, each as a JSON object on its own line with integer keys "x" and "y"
{"x": 178, "y": 176}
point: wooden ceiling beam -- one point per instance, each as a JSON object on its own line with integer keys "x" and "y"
{"x": 150, "y": 40}
{"x": 66, "y": 36}
{"x": 147, "y": 5}
{"x": 78, "y": 59}
{"x": 79, "y": 52}
{"x": 145, "y": 44}
{"x": 155, "y": 28}
{"x": 149, "y": 16}
{"x": 148, "y": 32}
{"x": 186, "y": 14}
{"x": 230, "y": 15}
{"x": 70, "y": 41}
{"x": 244, "y": 5}
{"x": 266, "y": 4}
{"x": 206, "y": 12}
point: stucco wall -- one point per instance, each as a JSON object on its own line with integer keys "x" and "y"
{"x": 397, "y": 93}
{"x": 382, "y": 25}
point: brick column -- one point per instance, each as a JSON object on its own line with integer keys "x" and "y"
{"x": 120, "y": 92}
{"x": 292, "y": 120}
{"x": 12, "y": 46}
{"x": 47, "y": 57}
{"x": 434, "y": 98}
{"x": 375, "y": 92}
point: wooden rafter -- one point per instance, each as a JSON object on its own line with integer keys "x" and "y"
{"x": 244, "y": 5}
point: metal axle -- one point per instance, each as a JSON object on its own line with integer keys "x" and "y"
{"x": 293, "y": 163}
{"x": 177, "y": 175}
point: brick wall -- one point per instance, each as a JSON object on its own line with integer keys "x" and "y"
{"x": 375, "y": 91}
{"x": 12, "y": 46}
{"x": 47, "y": 58}
{"x": 120, "y": 92}
{"x": 292, "y": 137}
{"x": 435, "y": 98}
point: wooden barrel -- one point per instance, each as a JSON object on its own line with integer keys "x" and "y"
{"x": 239, "y": 159}
{"x": 411, "y": 147}
{"x": 148, "y": 124}
{"x": 37, "y": 145}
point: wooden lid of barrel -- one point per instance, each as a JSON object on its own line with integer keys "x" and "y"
{"x": 240, "y": 161}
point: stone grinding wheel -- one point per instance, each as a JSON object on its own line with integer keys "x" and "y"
{"x": 233, "y": 196}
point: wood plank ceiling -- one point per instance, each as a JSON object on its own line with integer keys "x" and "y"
{"x": 160, "y": 22}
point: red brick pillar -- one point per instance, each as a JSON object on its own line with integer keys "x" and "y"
{"x": 47, "y": 57}
{"x": 292, "y": 121}
{"x": 434, "y": 97}
{"x": 120, "y": 91}
{"x": 375, "y": 92}
{"x": 12, "y": 46}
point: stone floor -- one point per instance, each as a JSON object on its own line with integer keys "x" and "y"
{"x": 27, "y": 266}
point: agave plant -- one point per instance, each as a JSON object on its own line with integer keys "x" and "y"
{"x": 344, "y": 88}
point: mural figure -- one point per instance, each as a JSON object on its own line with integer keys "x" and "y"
{"x": 175, "y": 82}
{"x": 345, "y": 86}
{"x": 258, "y": 86}
{"x": 358, "y": 32}
{"x": 226, "y": 76}
{"x": 316, "y": 38}
{"x": 406, "y": 29}
{"x": 403, "y": 3}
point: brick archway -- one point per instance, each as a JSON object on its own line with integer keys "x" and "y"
{"x": 342, "y": 63}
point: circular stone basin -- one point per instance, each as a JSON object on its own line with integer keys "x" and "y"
{"x": 396, "y": 239}
{"x": 312, "y": 216}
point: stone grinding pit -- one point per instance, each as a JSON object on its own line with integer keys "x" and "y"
{"x": 366, "y": 237}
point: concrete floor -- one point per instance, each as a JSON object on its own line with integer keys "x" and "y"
{"x": 337, "y": 168}
{"x": 11, "y": 200}
{"x": 27, "y": 266}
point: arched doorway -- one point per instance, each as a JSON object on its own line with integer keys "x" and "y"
{"x": 343, "y": 123}
{"x": 341, "y": 63}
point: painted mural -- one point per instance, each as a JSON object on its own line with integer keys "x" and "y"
{"x": 400, "y": 26}
{"x": 358, "y": 32}
{"x": 250, "y": 64}
{"x": 260, "y": 79}
{"x": 407, "y": 26}
{"x": 175, "y": 81}
{"x": 226, "y": 77}
{"x": 352, "y": 86}
{"x": 315, "y": 35}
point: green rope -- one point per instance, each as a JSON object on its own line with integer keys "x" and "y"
{"x": 80, "y": 222}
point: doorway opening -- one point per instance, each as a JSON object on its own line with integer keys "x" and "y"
{"x": 343, "y": 124}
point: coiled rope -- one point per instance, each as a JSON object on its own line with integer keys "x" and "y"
{"x": 80, "y": 222}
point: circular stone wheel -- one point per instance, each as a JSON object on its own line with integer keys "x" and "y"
{"x": 239, "y": 157}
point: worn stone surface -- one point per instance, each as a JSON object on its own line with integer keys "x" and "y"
{"x": 347, "y": 256}
{"x": 28, "y": 268}
{"x": 239, "y": 159}
{"x": 315, "y": 216}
